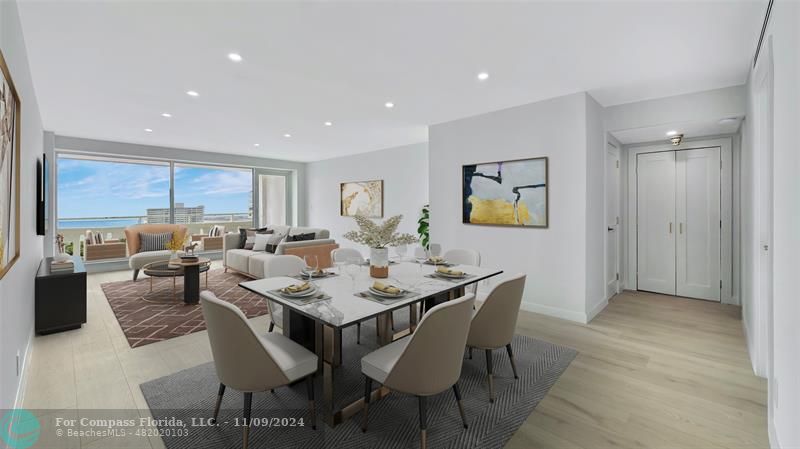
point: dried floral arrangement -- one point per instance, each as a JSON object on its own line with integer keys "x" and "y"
{"x": 376, "y": 235}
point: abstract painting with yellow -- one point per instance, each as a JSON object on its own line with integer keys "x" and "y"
{"x": 497, "y": 212}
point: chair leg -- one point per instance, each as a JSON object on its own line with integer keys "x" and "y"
{"x": 367, "y": 394}
{"x": 513, "y": 363}
{"x": 470, "y": 352}
{"x": 391, "y": 320}
{"x": 423, "y": 422}
{"x": 219, "y": 402}
{"x": 248, "y": 404}
{"x": 135, "y": 275}
{"x": 358, "y": 333}
{"x": 489, "y": 371}
{"x": 271, "y": 325}
{"x": 457, "y": 392}
{"x": 311, "y": 405}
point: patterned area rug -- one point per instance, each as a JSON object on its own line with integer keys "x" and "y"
{"x": 393, "y": 420}
{"x": 150, "y": 316}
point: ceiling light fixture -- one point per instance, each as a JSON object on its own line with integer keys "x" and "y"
{"x": 192, "y": 93}
{"x": 166, "y": 114}
{"x": 671, "y": 133}
{"x": 148, "y": 130}
{"x": 287, "y": 135}
{"x": 676, "y": 140}
{"x": 483, "y": 76}
{"x": 328, "y": 123}
{"x": 235, "y": 57}
{"x": 389, "y": 104}
{"x": 256, "y": 145}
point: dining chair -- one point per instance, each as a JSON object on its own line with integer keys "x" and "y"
{"x": 252, "y": 363}
{"x": 494, "y": 322}
{"x": 464, "y": 257}
{"x": 277, "y": 266}
{"x": 424, "y": 364}
{"x": 435, "y": 249}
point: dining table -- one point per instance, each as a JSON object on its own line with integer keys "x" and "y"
{"x": 343, "y": 299}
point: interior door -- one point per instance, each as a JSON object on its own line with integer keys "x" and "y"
{"x": 699, "y": 223}
{"x": 655, "y": 204}
{"x": 612, "y": 221}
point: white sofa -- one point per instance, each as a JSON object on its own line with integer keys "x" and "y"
{"x": 251, "y": 263}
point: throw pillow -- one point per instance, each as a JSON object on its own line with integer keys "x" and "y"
{"x": 153, "y": 242}
{"x": 260, "y": 242}
{"x": 300, "y": 237}
{"x": 273, "y": 242}
{"x": 246, "y": 234}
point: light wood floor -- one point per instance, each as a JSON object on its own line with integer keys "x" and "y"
{"x": 652, "y": 371}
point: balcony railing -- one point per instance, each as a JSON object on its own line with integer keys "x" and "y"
{"x": 113, "y": 227}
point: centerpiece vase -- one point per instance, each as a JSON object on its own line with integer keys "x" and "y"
{"x": 379, "y": 262}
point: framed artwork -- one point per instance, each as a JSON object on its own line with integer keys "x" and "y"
{"x": 507, "y": 193}
{"x": 9, "y": 170}
{"x": 361, "y": 198}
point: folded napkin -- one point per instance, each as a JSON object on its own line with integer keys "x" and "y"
{"x": 391, "y": 289}
{"x": 296, "y": 288}
{"x": 436, "y": 259}
{"x": 451, "y": 272}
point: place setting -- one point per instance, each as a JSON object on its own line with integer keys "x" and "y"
{"x": 302, "y": 293}
{"x": 385, "y": 293}
{"x": 445, "y": 273}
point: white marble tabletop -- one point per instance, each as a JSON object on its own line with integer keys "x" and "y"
{"x": 345, "y": 308}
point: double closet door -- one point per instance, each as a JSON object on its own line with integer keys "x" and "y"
{"x": 679, "y": 223}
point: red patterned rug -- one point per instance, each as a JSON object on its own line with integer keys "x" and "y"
{"x": 150, "y": 316}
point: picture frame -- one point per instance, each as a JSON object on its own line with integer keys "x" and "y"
{"x": 492, "y": 204}
{"x": 361, "y": 198}
{"x": 10, "y": 153}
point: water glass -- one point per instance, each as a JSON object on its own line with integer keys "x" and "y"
{"x": 401, "y": 251}
{"x": 312, "y": 265}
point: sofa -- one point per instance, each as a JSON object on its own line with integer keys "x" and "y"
{"x": 251, "y": 263}
{"x": 138, "y": 259}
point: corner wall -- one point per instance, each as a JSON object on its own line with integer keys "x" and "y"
{"x": 554, "y": 259}
{"x": 404, "y": 171}
{"x": 16, "y": 288}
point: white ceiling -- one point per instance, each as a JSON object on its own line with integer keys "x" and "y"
{"x": 107, "y": 70}
{"x": 690, "y": 130}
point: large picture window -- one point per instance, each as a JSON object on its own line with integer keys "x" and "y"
{"x": 105, "y": 195}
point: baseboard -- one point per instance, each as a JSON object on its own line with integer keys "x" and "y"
{"x": 19, "y": 398}
{"x": 554, "y": 312}
{"x": 773, "y": 435}
{"x": 595, "y": 310}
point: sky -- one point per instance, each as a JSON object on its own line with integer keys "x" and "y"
{"x": 105, "y": 189}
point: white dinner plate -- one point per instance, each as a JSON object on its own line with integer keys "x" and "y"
{"x": 386, "y": 295}
{"x": 301, "y": 294}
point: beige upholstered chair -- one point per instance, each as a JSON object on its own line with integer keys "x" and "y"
{"x": 286, "y": 265}
{"x": 494, "y": 322}
{"x": 346, "y": 255}
{"x": 426, "y": 363}
{"x": 251, "y": 363}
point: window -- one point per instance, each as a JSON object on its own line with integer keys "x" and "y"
{"x": 106, "y": 195}
{"x": 207, "y": 196}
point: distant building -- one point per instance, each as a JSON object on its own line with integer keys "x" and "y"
{"x": 183, "y": 214}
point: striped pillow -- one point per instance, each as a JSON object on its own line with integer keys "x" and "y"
{"x": 153, "y": 242}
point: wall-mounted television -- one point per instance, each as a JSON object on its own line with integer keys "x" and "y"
{"x": 42, "y": 194}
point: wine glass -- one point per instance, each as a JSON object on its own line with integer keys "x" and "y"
{"x": 352, "y": 269}
{"x": 401, "y": 251}
{"x": 312, "y": 265}
{"x": 421, "y": 255}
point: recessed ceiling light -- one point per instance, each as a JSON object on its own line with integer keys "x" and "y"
{"x": 287, "y": 135}
{"x": 166, "y": 114}
{"x": 256, "y": 145}
{"x": 235, "y": 57}
{"x": 389, "y": 104}
{"x": 192, "y": 93}
{"x": 328, "y": 123}
{"x": 483, "y": 76}
{"x": 148, "y": 130}
{"x": 672, "y": 133}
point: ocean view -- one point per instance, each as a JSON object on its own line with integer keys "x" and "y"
{"x": 95, "y": 224}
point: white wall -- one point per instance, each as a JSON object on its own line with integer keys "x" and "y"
{"x": 554, "y": 259}
{"x": 16, "y": 288}
{"x": 404, "y": 171}
{"x": 784, "y": 374}
{"x": 595, "y": 209}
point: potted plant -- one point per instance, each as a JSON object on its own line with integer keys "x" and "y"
{"x": 379, "y": 237}
{"x": 423, "y": 227}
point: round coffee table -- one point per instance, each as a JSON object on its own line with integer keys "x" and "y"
{"x": 189, "y": 270}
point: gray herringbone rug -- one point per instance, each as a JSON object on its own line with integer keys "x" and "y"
{"x": 393, "y": 421}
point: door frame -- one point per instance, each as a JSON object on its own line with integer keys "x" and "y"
{"x": 727, "y": 178}
{"x": 611, "y": 147}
